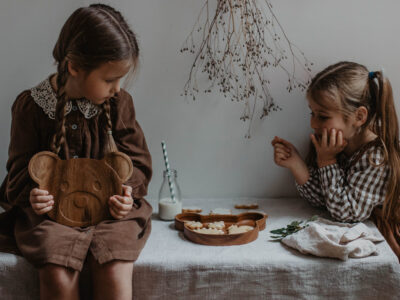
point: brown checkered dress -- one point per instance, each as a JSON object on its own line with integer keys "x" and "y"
{"x": 352, "y": 187}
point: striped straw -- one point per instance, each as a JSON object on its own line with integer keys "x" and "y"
{"x": 171, "y": 188}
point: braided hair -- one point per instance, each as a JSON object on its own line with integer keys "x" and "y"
{"x": 90, "y": 37}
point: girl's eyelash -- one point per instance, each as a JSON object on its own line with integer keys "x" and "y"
{"x": 319, "y": 117}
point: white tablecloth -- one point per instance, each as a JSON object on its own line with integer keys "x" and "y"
{"x": 171, "y": 267}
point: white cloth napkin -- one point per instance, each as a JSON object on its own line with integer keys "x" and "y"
{"x": 326, "y": 238}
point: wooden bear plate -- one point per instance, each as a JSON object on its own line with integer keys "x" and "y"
{"x": 81, "y": 187}
{"x": 255, "y": 219}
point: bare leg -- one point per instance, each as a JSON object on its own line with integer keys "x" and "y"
{"x": 111, "y": 280}
{"x": 58, "y": 283}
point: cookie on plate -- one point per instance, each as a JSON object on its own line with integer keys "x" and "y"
{"x": 246, "y": 206}
{"x": 234, "y": 229}
{"x": 217, "y": 225}
{"x": 220, "y": 211}
{"x": 209, "y": 231}
{"x": 194, "y": 224}
{"x": 192, "y": 210}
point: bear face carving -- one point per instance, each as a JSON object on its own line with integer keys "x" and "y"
{"x": 81, "y": 186}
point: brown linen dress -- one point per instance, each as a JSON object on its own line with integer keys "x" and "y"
{"x": 41, "y": 240}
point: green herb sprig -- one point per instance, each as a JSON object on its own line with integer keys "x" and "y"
{"x": 291, "y": 228}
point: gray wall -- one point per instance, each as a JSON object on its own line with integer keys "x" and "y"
{"x": 205, "y": 138}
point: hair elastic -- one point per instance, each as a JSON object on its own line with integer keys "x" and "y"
{"x": 109, "y": 132}
{"x": 371, "y": 75}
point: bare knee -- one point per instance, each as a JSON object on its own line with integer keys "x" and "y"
{"x": 116, "y": 270}
{"x": 112, "y": 280}
{"x": 58, "y": 280}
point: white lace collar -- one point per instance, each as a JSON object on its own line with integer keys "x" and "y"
{"x": 45, "y": 97}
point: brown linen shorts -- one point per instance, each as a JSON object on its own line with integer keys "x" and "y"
{"x": 41, "y": 240}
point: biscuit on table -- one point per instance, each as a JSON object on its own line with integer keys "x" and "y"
{"x": 216, "y": 225}
{"x": 234, "y": 229}
{"x": 246, "y": 206}
{"x": 194, "y": 224}
{"x": 220, "y": 211}
{"x": 209, "y": 231}
{"x": 192, "y": 210}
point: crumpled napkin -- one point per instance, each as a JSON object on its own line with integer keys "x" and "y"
{"x": 326, "y": 238}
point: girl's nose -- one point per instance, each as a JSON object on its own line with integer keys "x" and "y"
{"x": 116, "y": 88}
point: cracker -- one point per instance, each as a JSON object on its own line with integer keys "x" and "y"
{"x": 234, "y": 229}
{"x": 192, "y": 210}
{"x": 217, "y": 225}
{"x": 194, "y": 224}
{"x": 220, "y": 211}
{"x": 209, "y": 231}
{"x": 246, "y": 206}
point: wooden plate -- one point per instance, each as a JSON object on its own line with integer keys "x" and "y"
{"x": 255, "y": 219}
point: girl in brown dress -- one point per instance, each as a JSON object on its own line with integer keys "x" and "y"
{"x": 80, "y": 112}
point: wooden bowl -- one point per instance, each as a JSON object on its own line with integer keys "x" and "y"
{"x": 255, "y": 219}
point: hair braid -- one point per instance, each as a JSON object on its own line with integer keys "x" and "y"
{"x": 111, "y": 146}
{"x": 59, "y": 136}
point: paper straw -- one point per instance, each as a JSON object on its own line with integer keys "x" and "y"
{"x": 171, "y": 188}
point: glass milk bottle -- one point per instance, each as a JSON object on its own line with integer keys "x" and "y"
{"x": 167, "y": 208}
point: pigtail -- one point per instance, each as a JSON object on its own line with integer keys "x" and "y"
{"x": 59, "y": 137}
{"x": 110, "y": 143}
{"x": 387, "y": 128}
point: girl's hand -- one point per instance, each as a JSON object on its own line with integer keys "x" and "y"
{"x": 329, "y": 146}
{"x": 41, "y": 201}
{"x": 120, "y": 206}
{"x": 285, "y": 154}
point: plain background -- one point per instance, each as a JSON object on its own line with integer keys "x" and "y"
{"x": 205, "y": 139}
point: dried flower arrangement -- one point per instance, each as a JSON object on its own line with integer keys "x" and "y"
{"x": 240, "y": 42}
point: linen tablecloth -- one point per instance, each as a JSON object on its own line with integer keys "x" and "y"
{"x": 171, "y": 267}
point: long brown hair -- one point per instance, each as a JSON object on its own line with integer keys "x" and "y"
{"x": 91, "y": 36}
{"x": 347, "y": 86}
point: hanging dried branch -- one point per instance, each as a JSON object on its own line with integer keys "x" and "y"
{"x": 239, "y": 43}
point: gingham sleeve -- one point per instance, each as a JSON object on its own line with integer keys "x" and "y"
{"x": 350, "y": 196}
{"x": 311, "y": 190}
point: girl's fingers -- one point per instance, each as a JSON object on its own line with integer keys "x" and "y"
{"x": 121, "y": 203}
{"x": 127, "y": 190}
{"x": 324, "y": 139}
{"x": 38, "y": 192}
{"x": 274, "y": 141}
{"x": 42, "y": 199}
{"x": 340, "y": 141}
{"x": 332, "y": 138}
{"x": 124, "y": 200}
{"x": 116, "y": 213}
{"x": 280, "y": 156}
{"x": 285, "y": 143}
{"x": 282, "y": 153}
{"x": 39, "y": 206}
{"x": 314, "y": 141}
{"x": 281, "y": 147}
{"x": 44, "y": 210}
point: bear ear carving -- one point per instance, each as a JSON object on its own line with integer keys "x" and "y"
{"x": 120, "y": 163}
{"x": 41, "y": 165}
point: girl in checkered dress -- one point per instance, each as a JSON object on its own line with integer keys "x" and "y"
{"x": 353, "y": 166}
